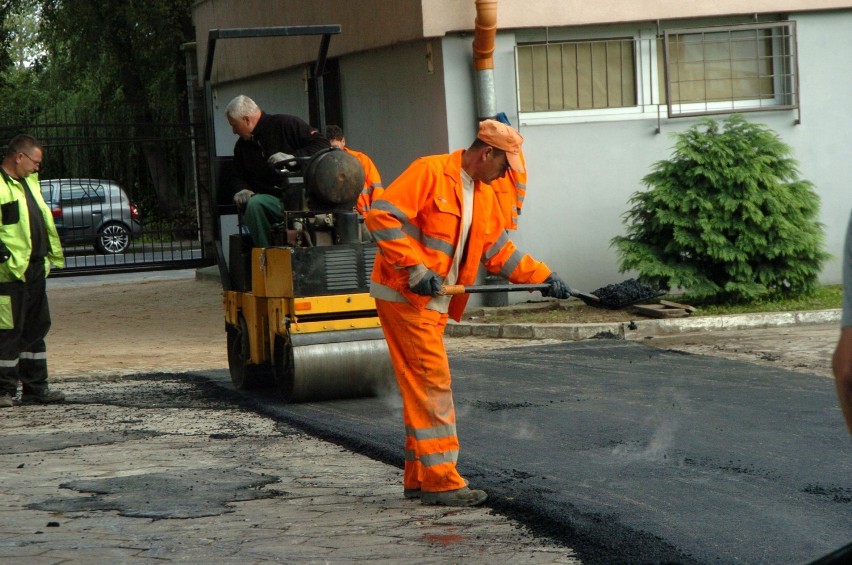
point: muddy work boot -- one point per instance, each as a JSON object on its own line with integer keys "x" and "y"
{"x": 459, "y": 497}
{"x": 411, "y": 493}
{"x": 46, "y": 397}
{"x": 6, "y": 401}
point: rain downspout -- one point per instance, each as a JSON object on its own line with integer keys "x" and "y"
{"x": 485, "y": 30}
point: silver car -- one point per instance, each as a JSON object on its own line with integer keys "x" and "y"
{"x": 92, "y": 211}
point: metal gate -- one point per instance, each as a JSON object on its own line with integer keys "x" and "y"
{"x": 123, "y": 196}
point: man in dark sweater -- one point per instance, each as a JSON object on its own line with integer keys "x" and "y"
{"x": 267, "y": 143}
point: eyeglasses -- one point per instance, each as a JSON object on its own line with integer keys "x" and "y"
{"x": 36, "y": 163}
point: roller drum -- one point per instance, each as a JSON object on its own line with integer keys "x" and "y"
{"x": 325, "y": 367}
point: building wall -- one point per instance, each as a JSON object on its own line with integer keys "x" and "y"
{"x": 581, "y": 175}
{"x": 393, "y": 105}
{"x": 821, "y": 142}
{"x": 374, "y": 24}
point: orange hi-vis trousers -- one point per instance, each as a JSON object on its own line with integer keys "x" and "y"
{"x": 416, "y": 344}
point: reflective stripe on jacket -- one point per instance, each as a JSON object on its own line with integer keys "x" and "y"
{"x": 373, "y": 187}
{"x": 417, "y": 221}
{"x": 15, "y": 227}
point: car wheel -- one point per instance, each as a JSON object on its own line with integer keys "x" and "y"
{"x": 113, "y": 238}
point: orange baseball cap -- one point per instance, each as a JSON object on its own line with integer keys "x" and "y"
{"x": 507, "y": 138}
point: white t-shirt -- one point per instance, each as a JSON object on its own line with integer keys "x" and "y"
{"x": 442, "y": 303}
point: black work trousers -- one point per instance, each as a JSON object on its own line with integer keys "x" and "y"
{"x": 23, "y": 354}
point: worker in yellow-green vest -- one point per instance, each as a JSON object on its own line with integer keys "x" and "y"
{"x": 29, "y": 245}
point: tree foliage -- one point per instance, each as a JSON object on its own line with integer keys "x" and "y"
{"x": 18, "y": 49}
{"x": 98, "y": 62}
{"x": 6, "y": 35}
{"x": 130, "y": 50}
{"x": 726, "y": 218}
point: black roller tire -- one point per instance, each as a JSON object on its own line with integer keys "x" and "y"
{"x": 282, "y": 362}
{"x": 244, "y": 374}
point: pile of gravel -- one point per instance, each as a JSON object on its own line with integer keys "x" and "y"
{"x": 631, "y": 291}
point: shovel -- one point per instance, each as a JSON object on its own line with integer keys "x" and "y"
{"x": 454, "y": 289}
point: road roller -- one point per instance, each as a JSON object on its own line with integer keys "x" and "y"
{"x": 298, "y": 315}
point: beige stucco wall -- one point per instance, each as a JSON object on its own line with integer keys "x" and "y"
{"x": 442, "y": 16}
{"x": 371, "y": 24}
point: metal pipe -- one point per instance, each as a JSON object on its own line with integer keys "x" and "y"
{"x": 485, "y": 30}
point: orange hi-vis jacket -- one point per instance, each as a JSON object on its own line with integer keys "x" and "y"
{"x": 510, "y": 190}
{"x": 417, "y": 220}
{"x": 373, "y": 187}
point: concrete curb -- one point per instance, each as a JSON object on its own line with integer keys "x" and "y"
{"x": 641, "y": 329}
{"x": 638, "y": 329}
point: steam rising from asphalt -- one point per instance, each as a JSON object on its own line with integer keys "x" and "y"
{"x": 657, "y": 448}
{"x": 522, "y": 430}
{"x": 660, "y": 446}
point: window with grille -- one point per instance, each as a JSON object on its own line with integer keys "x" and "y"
{"x": 690, "y": 71}
{"x": 730, "y": 69}
{"x": 577, "y": 75}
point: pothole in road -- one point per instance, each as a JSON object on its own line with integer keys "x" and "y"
{"x": 115, "y": 414}
{"x": 160, "y": 496}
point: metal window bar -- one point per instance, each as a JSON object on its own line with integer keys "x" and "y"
{"x": 614, "y": 92}
{"x": 781, "y": 60}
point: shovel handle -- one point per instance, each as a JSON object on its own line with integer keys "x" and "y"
{"x": 454, "y": 289}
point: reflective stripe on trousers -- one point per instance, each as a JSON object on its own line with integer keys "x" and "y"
{"x": 416, "y": 344}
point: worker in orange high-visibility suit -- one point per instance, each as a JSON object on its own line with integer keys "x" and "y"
{"x": 434, "y": 226}
{"x": 373, "y": 187}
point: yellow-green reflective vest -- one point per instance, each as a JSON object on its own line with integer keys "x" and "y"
{"x": 16, "y": 234}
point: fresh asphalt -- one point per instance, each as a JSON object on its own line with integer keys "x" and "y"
{"x": 627, "y": 453}
{"x": 631, "y": 454}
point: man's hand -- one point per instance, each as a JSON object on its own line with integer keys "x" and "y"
{"x": 242, "y": 197}
{"x": 423, "y": 281}
{"x": 558, "y": 288}
{"x": 280, "y": 160}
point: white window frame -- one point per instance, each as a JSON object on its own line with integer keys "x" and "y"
{"x": 786, "y": 91}
{"x": 647, "y": 97}
{"x": 648, "y": 42}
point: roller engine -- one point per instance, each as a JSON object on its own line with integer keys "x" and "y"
{"x": 298, "y": 314}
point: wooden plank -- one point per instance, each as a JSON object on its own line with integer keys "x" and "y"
{"x": 661, "y": 311}
{"x": 686, "y": 307}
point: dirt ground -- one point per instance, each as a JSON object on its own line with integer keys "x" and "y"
{"x": 120, "y": 328}
{"x": 111, "y": 328}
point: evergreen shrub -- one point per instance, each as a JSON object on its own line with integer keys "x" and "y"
{"x": 726, "y": 219}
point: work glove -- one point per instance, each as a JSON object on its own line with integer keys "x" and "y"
{"x": 423, "y": 281}
{"x": 558, "y": 288}
{"x": 280, "y": 160}
{"x": 242, "y": 197}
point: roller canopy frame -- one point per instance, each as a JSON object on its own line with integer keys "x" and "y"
{"x": 317, "y": 71}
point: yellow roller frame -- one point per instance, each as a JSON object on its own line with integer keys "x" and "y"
{"x": 271, "y": 304}
{"x": 254, "y": 310}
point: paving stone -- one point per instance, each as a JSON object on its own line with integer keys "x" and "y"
{"x": 86, "y": 465}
